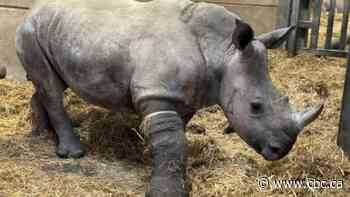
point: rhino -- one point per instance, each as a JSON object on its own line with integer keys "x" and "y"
{"x": 339, "y": 5}
{"x": 163, "y": 60}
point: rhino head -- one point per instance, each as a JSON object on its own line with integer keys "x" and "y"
{"x": 259, "y": 114}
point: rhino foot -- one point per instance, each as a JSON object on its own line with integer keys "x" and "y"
{"x": 70, "y": 150}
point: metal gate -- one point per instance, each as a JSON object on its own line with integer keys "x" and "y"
{"x": 306, "y": 16}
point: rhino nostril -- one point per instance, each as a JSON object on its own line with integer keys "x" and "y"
{"x": 275, "y": 149}
{"x": 271, "y": 152}
{"x": 258, "y": 148}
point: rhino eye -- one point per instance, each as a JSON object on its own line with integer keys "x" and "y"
{"x": 256, "y": 108}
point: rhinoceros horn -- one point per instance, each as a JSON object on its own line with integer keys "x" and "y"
{"x": 304, "y": 118}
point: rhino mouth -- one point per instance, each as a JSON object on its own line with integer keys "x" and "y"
{"x": 273, "y": 149}
{"x": 270, "y": 154}
{"x": 276, "y": 152}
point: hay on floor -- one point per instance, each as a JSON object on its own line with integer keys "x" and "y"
{"x": 117, "y": 163}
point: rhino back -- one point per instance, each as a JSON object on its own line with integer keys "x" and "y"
{"x": 98, "y": 49}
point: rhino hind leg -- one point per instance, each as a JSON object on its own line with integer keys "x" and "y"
{"x": 41, "y": 121}
{"x": 69, "y": 145}
{"x": 49, "y": 91}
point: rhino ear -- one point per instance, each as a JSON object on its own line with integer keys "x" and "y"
{"x": 242, "y": 35}
{"x": 276, "y": 38}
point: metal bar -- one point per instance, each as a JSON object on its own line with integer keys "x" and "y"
{"x": 290, "y": 12}
{"x": 345, "y": 24}
{"x": 344, "y": 126}
{"x": 316, "y": 23}
{"x": 303, "y": 33}
{"x": 289, "y": 22}
{"x": 330, "y": 24}
{"x": 326, "y": 52}
{"x": 306, "y": 24}
{"x": 292, "y": 42}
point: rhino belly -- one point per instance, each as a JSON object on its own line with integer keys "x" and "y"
{"x": 99, "y": 73}
{"x": 104, "y": 91}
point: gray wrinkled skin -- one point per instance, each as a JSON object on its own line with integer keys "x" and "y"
{"x": 147, "y": 57}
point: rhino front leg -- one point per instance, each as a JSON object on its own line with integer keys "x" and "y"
{"x": 165, "y": 133}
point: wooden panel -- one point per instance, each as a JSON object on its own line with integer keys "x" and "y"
{"x": 266, "y": 15}
{"x": 284, "y": 13}
{"x": 258, "y": 19}
{"x": 10, "y": 18}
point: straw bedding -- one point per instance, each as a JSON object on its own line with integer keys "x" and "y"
{"x": 118, "y": 163}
